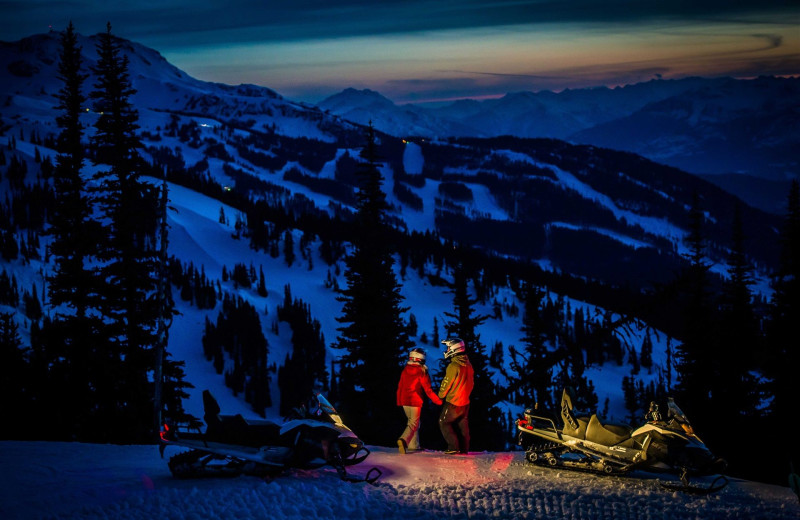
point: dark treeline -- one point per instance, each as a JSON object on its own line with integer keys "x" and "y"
{"x": 304, "y": 369}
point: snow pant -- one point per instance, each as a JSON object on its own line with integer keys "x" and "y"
{"x": 411, "y": 433}
{"x": 454, "y": 423}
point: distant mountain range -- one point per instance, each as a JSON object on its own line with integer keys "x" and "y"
{"x": 744, "y": 128}
{"x": 596, "y": 213}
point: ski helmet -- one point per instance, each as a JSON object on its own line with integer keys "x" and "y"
{"x": 453, "y": 346}
{"x": 417, "y": 356}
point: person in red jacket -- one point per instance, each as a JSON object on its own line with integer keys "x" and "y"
{"x": 413, "y": 382}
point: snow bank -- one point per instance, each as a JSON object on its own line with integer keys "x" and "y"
{"x": 86, "y": 481}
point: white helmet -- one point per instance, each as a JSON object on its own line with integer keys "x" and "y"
{"x": 417, "y": 356}
{"x": 453, "y": 346}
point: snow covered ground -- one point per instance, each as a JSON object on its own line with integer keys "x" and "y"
{"x": 86, "y": 481}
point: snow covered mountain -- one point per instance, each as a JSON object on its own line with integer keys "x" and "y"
{"x": 703, "y": 126}
{"x": 29, "y": 70}
{"x": 521, "y": 114}
{"x": 567, "y": 201}
{"x": 734, "y": 126}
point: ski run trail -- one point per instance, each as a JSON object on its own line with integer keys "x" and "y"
{"x": 53, "y": 480}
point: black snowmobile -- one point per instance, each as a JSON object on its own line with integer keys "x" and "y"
{"x": 584, "y": 443}
{"x": 313, "y": 437}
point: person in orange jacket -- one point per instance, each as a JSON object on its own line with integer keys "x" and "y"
{"x": 456, "y": 387}
{"x": 414, "y": 380}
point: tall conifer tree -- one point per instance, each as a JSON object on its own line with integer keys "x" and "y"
{"x": 695, "y": 355}
{"x": 534, "y": 365}
{"x": 71, "y": 248}
{"x": 128, "y": 253}
{"x": 373, "y": 334}
{"x": 739, "y": 335}
{"x": 69, "y": 387}
{"x": 783, "y": 349}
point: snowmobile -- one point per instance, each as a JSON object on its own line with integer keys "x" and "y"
{"x": 584, "y": 443}
{"x": 312, "y": 437}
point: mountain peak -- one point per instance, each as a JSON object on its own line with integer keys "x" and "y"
{"x": 351, "y": 98}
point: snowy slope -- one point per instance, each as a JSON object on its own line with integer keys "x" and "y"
{"x": 196, "y": 235}
{"x": 103, "y": 482}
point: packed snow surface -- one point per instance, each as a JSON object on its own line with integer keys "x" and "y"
{"x": 88, "y": 481}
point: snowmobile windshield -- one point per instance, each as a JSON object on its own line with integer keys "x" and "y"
{"x": 325, "y": 405}
{"x": 675, "y": 412}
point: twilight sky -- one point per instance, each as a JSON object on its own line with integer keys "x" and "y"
{"x": 425, "y": 50}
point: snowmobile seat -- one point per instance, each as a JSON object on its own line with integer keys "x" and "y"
{"x": 235, "y": 429}
{"x": 238, "y": 430}
{"x": 619, "y": 429}
{"x": 579, "y": 432}
{"x": 607, "y": 436}
{"x": 573, "y": 426}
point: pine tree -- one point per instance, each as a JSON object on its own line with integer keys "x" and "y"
{"x": 735, "y": 391}
{"x": 646, "y": 357}
{"x": 533, "y": 366}
{"x": 304, "y": 369}
{"x": 695, "y": 354}
{"x": 783, "y": 355}
{"x": 15, "y": 383}
{"x": 74, "y": 336}
{"x": 373, "y": 336}
{"x": 71, "y": 246}
{"x": 128, "y": 253}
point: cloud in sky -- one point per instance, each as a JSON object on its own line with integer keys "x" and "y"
{"x": 307, "y": 49}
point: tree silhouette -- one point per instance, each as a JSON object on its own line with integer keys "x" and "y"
{"x": 128, "y": 249}
{"x": 373, "y": 335}
{"x": 694, "y": 356}
{"x": 533, "y": 367}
